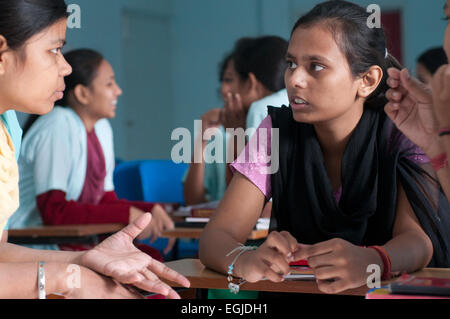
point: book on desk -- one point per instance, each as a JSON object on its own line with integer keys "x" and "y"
{"x": 201, "y": 222}
{"x": 413, "y": 287}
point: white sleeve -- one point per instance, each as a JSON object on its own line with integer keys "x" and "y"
{"x": 52, "y": 162}
{"x": 105, "y": 134}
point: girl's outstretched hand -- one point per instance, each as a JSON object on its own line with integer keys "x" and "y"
{"x": 117, "y": 257}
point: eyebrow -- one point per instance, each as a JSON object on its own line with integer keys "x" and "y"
{"x": 313, "y": 57}
{"x": 59, "y": 41}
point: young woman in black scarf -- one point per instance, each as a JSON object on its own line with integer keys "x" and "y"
{"x": 351, "y": 190}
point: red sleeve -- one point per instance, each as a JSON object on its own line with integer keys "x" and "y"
{"x": 56, "y": 210}
{"x": 112, "y": 198}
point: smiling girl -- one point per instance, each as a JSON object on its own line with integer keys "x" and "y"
{"x": 350, "y": 191}
{"x": 67, "y": 158}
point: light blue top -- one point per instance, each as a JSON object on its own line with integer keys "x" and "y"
{"x": 258, "y": 111}
{"x": 215, "y": 182}
{"x": 11, "y": 123}
{"x": 54, "y": 157}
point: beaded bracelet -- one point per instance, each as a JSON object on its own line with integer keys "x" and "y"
{"x": 387, "y": 265}
{"x": 234, "y": 288}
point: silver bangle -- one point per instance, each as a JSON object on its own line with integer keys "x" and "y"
{"x": 41, "y": 280}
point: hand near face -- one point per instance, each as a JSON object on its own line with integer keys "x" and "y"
{"x": 233, "y": 115}
{"x": 118, "y": 258}
{"x": 211, "y": 119}
{"x": 410, "y": 107}
{"x": 441, "y": 96}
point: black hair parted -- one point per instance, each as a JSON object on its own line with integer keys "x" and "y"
{"x": 22, "y": 19}
{"x": 265, "y": 57}
{"x": 363, "y": 46}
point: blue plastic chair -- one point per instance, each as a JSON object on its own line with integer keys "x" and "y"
{"x": 127, "y": 181}
{"x": 157, "y": 181}
{"x": 162, "y": 181}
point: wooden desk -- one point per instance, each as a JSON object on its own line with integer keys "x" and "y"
{"x": 203, "y": 278}
{"x": 195, "y": 233}
{"x": 67, "y": 234}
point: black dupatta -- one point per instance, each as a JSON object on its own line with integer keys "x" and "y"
{"x": 374, "y": 162}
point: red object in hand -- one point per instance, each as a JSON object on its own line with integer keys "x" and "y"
{"x": 299, "y": 263}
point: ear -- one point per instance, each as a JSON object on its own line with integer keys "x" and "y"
{"x": 3, "y": 51}
{"x": 370, "y": 81}
{"x": 255, "y": 86}
{"x": 81, "y": 94}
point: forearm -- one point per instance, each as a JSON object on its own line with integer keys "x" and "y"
{"x": 214, "y": 245}
{"x": 194, "y": 190}
{"x": 409, "y": 252}
{"x": 10, "y": 253}
{"x": 19, "y": 280}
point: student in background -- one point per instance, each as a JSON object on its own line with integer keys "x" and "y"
{"x": 67, "y": 158}
{"x": 350, "y": 191}
{"x": 205, "y": 182}
{"x": 32, "y": 71}
{"x": 251, "y": 78}
{"x": 422, "y": 114}
{"x": 428, "y": 63}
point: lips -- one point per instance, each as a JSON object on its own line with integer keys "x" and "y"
{"x": 298, "y": 103}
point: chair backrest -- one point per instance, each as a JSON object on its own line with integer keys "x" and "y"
{"x": 162, "y": 181}
{"x": 127, "y": 181}
{"x": 151, "y": 181}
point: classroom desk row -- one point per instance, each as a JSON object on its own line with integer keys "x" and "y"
{"x": 202, "y": 278}
{"x": 90, "y": 233}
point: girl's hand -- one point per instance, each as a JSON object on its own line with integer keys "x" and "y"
{"x": 161, "y": 222}
{"x": 270, "y": 261}
{"x": 410, "y": 107}
{"x": 233, "y": 115}
{"x": 441, "y": 96}
{"x": 210, "y": 119}
{"x": 118, "y": 258}
{"x": 338, "y": 265}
